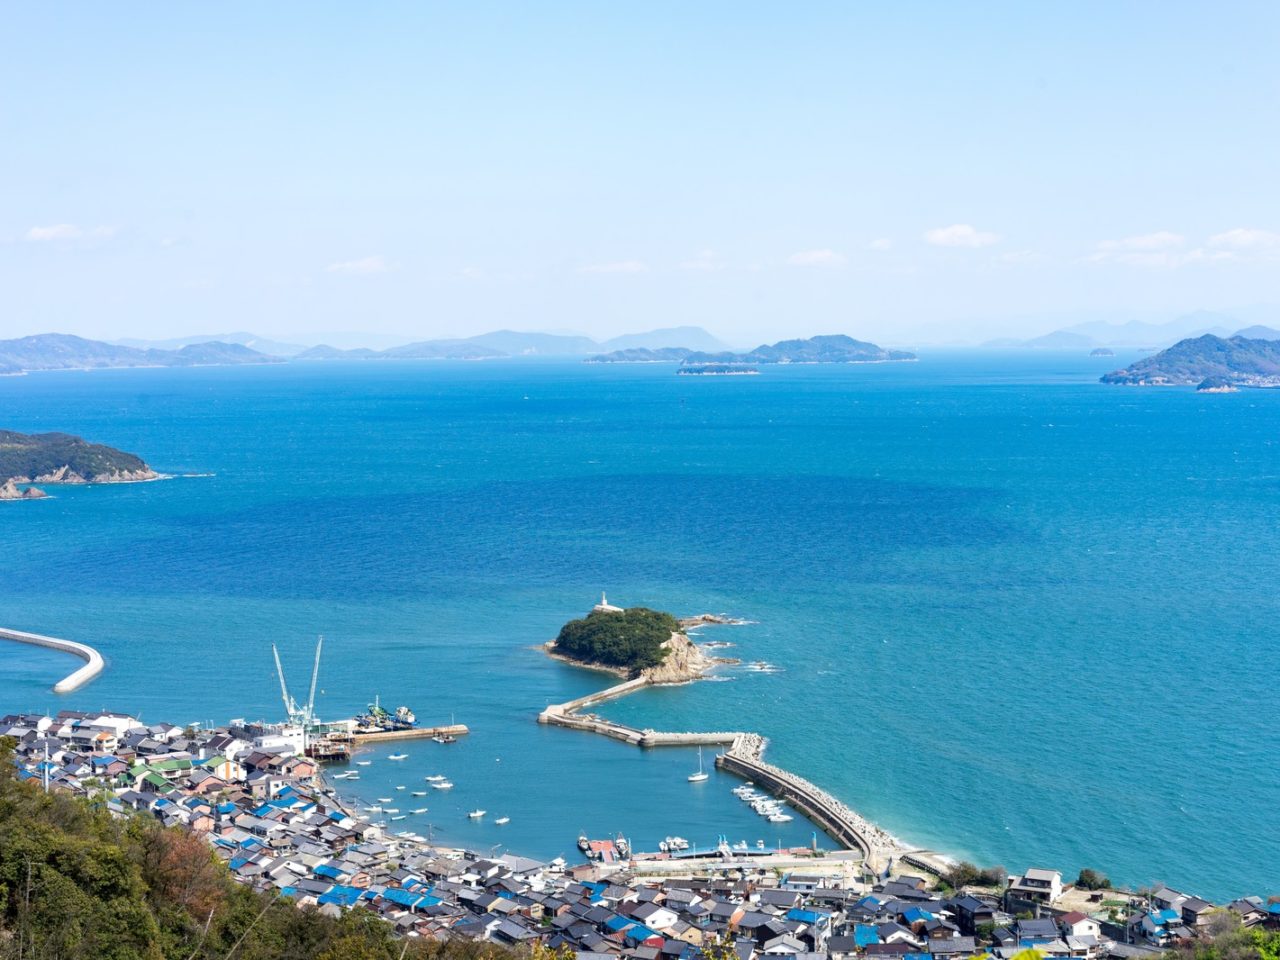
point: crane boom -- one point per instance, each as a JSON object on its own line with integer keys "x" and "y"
{"x": 315, "y": 672}
{"x": 284, "y": 690}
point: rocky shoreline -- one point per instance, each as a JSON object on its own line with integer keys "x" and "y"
{"x": 684, "y": 663}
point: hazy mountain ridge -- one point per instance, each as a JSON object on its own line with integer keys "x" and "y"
{"x": 60, "y": 351}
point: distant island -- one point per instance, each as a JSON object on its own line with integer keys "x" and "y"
{"x": 642, "y": 355}
{"x": 60, "y": 351}
{"x": 61, "y": 458}
{"x": 834, "y": 348}
{"x": 1102, "y": 352}
{"x": 1235, "y": 361}
{"x": 716, "y": 370}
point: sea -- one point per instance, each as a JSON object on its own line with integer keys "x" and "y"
{"x": 1016, "y": 616}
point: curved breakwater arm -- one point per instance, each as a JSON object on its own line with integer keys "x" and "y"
{"x": 94, "y": 663}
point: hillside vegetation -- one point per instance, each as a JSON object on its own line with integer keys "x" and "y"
{"x": 1236, "y": 360}
{"x": 78, "y": 884}
{"x": 631, "y": 639}
{"x": 41, "y": 454}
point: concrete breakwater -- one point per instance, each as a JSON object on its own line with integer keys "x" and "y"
{"x": 743, "y": 758}
{"x": 94, "y": 663}
{"x": 413, "y": 733}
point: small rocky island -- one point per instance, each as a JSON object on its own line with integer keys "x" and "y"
{"x": 631, "y": 643}
{"x": 50, "y": 458}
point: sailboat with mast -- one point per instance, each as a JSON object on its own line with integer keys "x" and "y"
{"x": 701, "y": 774}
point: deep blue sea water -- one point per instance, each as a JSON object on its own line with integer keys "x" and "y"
{"x": 1024, "y": 618}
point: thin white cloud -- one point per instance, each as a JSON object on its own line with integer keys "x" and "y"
{"x": 1246, "y": 238}
{"x": 363, "y": 267}
{"x": 704, "y": 261}
{"x": 960, "y": 235}
{"x": 68, "y": 231}
{"x": 1160, "y": 250}
{"x": 1160, "y": 240}
{"x": 617, "y": 266}
{"x": 880, "y": 243}
{"x": 816, "y": 258}
{"x": 1015, "y": 257}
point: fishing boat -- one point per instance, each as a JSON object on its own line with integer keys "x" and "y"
{"x": 445, "y": 738}
{"x": 374, "y": 809}
{"x": 384, "y": 799}
{"x": 420, "y": 810}
{"x": 419, "y": 793}
{"x": 701, "y": 774}
{"x": 442, "y": 785}
{"x": 401, "y": 787}
{"x": 476, "y": 814}
{"x": 434, "y": 777}
{"x": 584, "y": 843}
{"x": 401, "y": 817}
{"x": 501, "y": 820}
{"x": 353, "y": 776}
{"x": 390, "y": 809}
{"x": 398, "y": 756}
{"x": 363, "y": 763}
{"x": 780, "y": 818}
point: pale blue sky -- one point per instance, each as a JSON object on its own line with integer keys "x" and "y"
{"x": 899, "y": 171}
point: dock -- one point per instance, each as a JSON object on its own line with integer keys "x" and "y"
{"x": 94, "y": 663}
{"x": 412, "y": 733}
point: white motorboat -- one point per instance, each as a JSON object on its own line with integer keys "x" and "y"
{"x": 501, "y": 820}
{"x": 442, "y": 785}
{"x": 398, "y": 756}
{"x": 476, "y": 814}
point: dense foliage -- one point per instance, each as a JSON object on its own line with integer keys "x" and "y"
{"x": 1092, "y": 880}
{"x": 965, "y": 874}
{"x": 79, "y": 884}
{"x": 632, "y": 639}
{"x": 30, "y": 455}
{"x": 1238, "y": 943}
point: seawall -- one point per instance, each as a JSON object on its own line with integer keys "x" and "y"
{"x": 744, "y": 757}
{"x": 94, "y": 663}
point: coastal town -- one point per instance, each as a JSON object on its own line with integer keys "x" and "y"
{"x": 267, "y": 812}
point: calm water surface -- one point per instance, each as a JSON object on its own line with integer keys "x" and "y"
{"x": 1022, "y": 617}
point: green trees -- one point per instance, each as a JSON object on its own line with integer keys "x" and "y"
{"x": 965, "y": 874}
{"x": 1092, "y": 880}
{"x": 632, "y": 639}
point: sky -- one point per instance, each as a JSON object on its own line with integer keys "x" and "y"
{"x": 904, "y": 172}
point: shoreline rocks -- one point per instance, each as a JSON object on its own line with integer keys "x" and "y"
{"x": 9, "y": 490}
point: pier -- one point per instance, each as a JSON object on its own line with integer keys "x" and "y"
{"x": 412, "y": 733}
{"x": 744, "y": 758}
{"x": 94, "y": 663}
